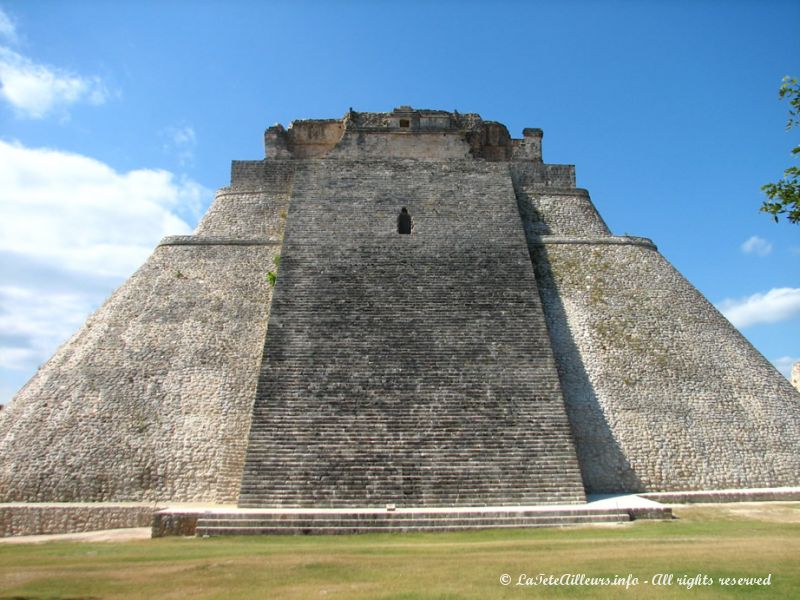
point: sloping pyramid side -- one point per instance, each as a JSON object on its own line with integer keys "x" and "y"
{"x": 663, "y": 393}
{"x": 151, "y": 399}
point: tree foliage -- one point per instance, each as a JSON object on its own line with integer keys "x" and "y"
{"x": 784, "y": 195}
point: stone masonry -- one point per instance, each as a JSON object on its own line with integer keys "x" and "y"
{"x": 510, "y": 350}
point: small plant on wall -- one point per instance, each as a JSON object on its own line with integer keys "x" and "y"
{"x": 272, "y": 276}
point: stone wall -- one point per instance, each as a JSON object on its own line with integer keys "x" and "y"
{"x": 272, "y": 177}
{"x": 403, "y": 133}
{"x": 559, "y": 211}
{"x": 402, "y": 144}
{"x": 311, "y": 139}
{"x": 246, "y": 215}
{"x": 47, "y": 519}
{"x": 537, "y": 174}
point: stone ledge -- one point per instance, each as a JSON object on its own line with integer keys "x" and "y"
{"x": 530, "y": 188}
{"x": 614, "y": 240}
{"x": 186, "y": 520}
{"x": 243, "y": 190}
{"x": 194, "y": 240}
{"x": 785, "y": 494}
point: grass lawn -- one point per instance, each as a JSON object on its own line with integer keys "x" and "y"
{"x": 734, "y": 540}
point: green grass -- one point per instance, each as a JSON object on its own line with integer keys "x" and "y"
{"x": 732, "y": 540}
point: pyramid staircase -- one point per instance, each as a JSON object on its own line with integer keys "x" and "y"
{"x": 413, "y": 370}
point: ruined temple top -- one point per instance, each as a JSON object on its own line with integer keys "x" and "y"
{"x": 405, "y": 132}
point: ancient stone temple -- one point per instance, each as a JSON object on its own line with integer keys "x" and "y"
{"x": 299, "y": 350}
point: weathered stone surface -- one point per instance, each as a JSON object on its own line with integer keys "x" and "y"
{"x": 548, "y": 210}
{"x": 662, "y": 391}
{"x": 174, "y": 523}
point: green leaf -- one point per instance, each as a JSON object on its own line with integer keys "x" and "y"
{"x": 785, "y": 193}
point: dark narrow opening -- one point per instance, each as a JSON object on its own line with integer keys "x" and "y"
{"x": 405, "y": 123}
{"x": 404, "y": 221}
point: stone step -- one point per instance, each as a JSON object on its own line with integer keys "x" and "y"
{"x": 350, "y": 523}
{"x": 432, "y": 499}
{"x": 394, "y": 482}
{"x": 364, "y": 466}
{"x": 410, "y": 514}
{"x": 465, "y": 485}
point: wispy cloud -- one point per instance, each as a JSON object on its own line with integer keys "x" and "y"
{"x": 8, "y": 30}
{"x": 36, "y": 91}
{"x": 757, "y": 245}
{"x": 34, "y": 324}
{"x": 784, "y": 365}
{"x": 181, "y": 142}
{"x": 778, "y": 304}
{"x": 71, "y": 230}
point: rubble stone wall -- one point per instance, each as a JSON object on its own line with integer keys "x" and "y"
{"x": 559, "y": 211}
{"x": 47, "y": 519}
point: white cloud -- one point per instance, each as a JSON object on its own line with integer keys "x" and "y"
{"x": 36, "y": 91}
{"x": 78, "y": 213}
{"x": 756, "y": 245}
{"x": 7, "y": 28}
{"x": 71, "y": 230}
{"x": 778, "y": 304}
{"x": 784, "y": 365}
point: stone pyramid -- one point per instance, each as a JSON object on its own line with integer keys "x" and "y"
{"x": 297, "y": 351}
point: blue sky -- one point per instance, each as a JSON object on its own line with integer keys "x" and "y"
{"x": 118, "y": 120}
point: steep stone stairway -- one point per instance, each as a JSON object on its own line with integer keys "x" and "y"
{"x": 413, "y": 370}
